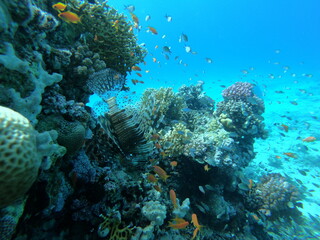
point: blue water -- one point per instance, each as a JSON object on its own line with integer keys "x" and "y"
{"x": 236, "y": 35}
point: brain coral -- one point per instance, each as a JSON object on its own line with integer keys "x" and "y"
{"x": 19, "y": 162}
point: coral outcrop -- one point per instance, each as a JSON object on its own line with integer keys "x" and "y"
{"x": 273, "y": 194}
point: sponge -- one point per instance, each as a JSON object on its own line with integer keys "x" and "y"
{"x": 19, "y": 161}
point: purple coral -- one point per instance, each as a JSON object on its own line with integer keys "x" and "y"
{"x": 238, "y": 91}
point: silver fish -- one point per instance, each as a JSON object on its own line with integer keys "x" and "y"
{"x": 209, "y": 60}
{"x": 183, "y": 37}
{"x": 169, "y": 18}
{"x": 166, "y": 49}
{"x": 188, "y": 49}
{"x": 130, "y": 8}
{"x": 148, "y": 17}
{"x": 201, "y": 189}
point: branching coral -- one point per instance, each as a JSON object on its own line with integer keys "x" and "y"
{"x": 110, "y": 35}
{"x": 174, "y": 140}
{"x": 112, "y": 229}
{"x": 158, "y": 104}
{"x": 273, "y": 194}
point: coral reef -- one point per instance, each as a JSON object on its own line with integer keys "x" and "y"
{"x": 273, "y": 194}
{"x": 19, "y": 160}
{"x": 125, "y": 164}
{"x": 154, "y": 212}
{"x": 111, "y": 36}
{"x": 241, "y": 110}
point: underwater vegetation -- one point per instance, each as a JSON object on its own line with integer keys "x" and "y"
{"x": 168, "y": 167}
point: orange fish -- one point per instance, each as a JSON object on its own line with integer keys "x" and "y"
{"x": 195, "y": 221}
{"x": 250, "y": 185}
{"x": 173, "y": 198}
{"x": 158, "y": 146}
{"x": 134, "y": 81}
{"x": 116, "y": 25}
{"x": 195, "y": 232}
{"x": 173, "y": 164}
{"x": 152, "y": 178}
{"x": 292, "y": 155}
{"x": 153, "y": 30}
{"x": 139, "y": 74}
{"x": 59, "y": 6}
{"x": 162, "y": 173}
{"x": 158, "y": 188}
{"x": 136, "y": 68}
{"x": 255, "y": 217}
{"x": 277, "y": 157}
{"x": 178, "y": 223}
{"x": 141, "y": 81}
{"x": 69, "y": 17}
{"x": 154, "y": 137}
{"x": 135, "y": 18}
{"x": 206, "y": 167}
{"x": 156, "y": 46}
{"x": 309, "y": 139}
{"x": 285, "y": 127}
{"x": 154, "y": 60}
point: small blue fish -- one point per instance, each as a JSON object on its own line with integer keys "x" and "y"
{"x": 189, "y": 134}
{"x": 180, "y": 132}
{"x": 186, "y": 109}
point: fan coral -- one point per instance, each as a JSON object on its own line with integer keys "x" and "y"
{"x": 273, "y": 194}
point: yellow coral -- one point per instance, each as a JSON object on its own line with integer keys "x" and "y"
{"x": 111, "y": 229}
{"x": 173, "y": 142}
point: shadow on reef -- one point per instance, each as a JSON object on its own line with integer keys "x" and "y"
{"x": 169, "y": 167}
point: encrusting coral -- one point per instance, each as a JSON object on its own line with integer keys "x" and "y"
{"x": 19, "y": 162}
